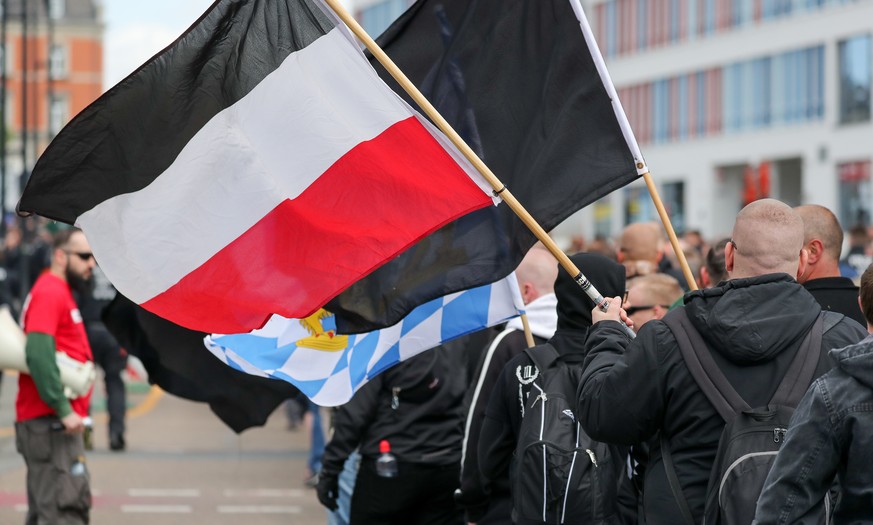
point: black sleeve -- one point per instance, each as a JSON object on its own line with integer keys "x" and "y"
{"x": 620, "y": 399}
{"x": 497, "y": 440}
{"x": 474, "y": 490}
{"x": 350, "y": 422}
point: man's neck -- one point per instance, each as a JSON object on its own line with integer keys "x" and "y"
{"x": 823, "y": 270}
{"x": 58, "y": 272}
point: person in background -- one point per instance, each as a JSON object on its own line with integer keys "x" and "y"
{"x": 830, "y": 436}
{"x": 48, "y": 427}
{"x": 823, "y": 240}
{"x": 640, "y": 248}
{"x": 858, "y": 258}
{"x": 713, "y": 271}
{"x": 650, "y": 297}
{"x": 108, "y": 354}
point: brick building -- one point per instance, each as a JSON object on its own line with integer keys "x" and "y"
{"x": 62, "y": 74}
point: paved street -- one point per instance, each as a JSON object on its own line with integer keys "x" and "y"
{"x": 182, "y": 465}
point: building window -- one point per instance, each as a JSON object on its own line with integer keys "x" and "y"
{"x": 376, "y": 17}
{"x": 58, "y": 61}
{"x": 57, "y": 9}
{"x": 673, "y": 197}
{"x": 7, "y": 57}
{"x": 856, "y": 194}
{"x": 59, "y": 113}
{"x": 638, "y": 206}
{"x": 855, "y": 79}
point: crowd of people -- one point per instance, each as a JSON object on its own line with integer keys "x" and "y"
{"x": 592, "y": 425}
{"x": 567, "y": 418}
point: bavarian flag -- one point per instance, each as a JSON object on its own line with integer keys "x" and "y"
{"x": 256, "y": 166}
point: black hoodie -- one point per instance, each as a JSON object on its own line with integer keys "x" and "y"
{"x": 503, "y": 416}
{"x": 632, "y": 390}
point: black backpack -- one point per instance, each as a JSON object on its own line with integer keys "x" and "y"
{"x": 751, "y": 437}
{"x": 560, "y": 475}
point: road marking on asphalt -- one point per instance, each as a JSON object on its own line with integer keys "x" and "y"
{"x": 156, "y": 509}
{"x": 259, "y": 509}
{"x": 163, "y": 493}
{"x": 263, "y": 493}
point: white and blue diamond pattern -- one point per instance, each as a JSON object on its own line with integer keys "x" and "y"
{"x": 329, "y": 368}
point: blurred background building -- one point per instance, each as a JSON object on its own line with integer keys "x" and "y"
{"x": 731, "y": 100}
{"x": 52, "y": 67}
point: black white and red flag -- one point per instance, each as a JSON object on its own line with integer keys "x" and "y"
{"x": 256, "y": 166}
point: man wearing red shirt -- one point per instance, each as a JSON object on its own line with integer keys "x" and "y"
{"x": 48, "y": 426}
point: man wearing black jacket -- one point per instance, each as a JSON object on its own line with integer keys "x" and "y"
{"x": 753, "y": 324}
{"x": 823, "y": 240}
{"x": 500, "y": 428}
{"x": 416, "y": 407}
{"x": 485, "y": 503}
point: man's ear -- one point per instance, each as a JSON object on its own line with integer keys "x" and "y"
{"x": 802, "y": 264}
{"x": 660, "y": 311}
{"x": 528, "y": 293}
{"x": 704, "y": 281}
{"x": 815, "y": 250}
{"x": 729, "y": 257}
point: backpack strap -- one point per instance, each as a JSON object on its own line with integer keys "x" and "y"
{"x": 801, "y": 372}
{"x": 719, "y": 391}
{"x": 675, "y": 488}
{"x": 831, "y": 319}
{"x": 705, "y": 371}
{"x": 542, "y": 356}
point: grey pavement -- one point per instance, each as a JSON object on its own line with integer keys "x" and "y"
{"x": 181, "y": 466}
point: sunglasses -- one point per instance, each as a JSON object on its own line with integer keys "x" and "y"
{"x": 634, "y": 309}
{"x": 85, "y": 256}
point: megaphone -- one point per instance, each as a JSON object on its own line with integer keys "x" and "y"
{"x": 76, "y": 376}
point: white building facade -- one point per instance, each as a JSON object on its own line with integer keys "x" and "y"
{"x": 733, "y": 100}
{"x": 730, "y": 100}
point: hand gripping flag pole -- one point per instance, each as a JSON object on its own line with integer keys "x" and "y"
{"x": 500, "y": 189}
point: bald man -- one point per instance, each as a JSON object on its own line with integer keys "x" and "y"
{"x": 823, "y": 241}
{"x": 640, "y": 248}
{"x": 752, "y": 325}
{"x": 490, "y": 503}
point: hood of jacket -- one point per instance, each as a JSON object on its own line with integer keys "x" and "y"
{"x": 574, "y": 305}
{"x": 857, "y": 360}
{"x": 542, "y": 316}
{"x": 753, "y": 319}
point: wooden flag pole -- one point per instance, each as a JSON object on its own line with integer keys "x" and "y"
{"x": 671, "y": 233}
{"x": 528, "y": 335}
{"x": 499, "y": 188}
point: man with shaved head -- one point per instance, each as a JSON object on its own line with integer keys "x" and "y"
{"x": 487, "y": 502}
{"x": 640, "y": 248}
{"x": 823, "y": 241}
{"x": 752, "y": 325}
